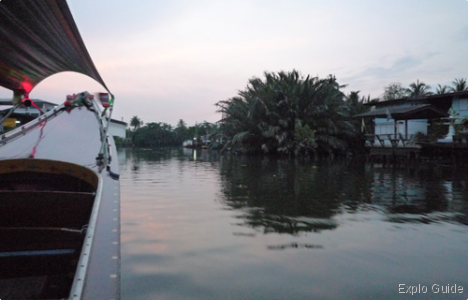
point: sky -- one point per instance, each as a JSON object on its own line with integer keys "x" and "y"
{"x": 168, "y": 60}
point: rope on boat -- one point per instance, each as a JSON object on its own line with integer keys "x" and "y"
{"x": 35, "y": 105}
{"x": 42, "y": 125}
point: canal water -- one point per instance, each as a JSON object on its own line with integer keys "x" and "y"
{"x": 199, "y": 225}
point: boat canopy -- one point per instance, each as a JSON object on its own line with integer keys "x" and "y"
{"x": 40, "y": 39}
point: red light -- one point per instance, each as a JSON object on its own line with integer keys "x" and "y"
{"x": 26, "y": 85}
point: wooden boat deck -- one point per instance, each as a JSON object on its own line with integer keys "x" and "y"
{"x": 54, "y": 144}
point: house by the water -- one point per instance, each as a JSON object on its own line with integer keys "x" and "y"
{"x": 410, "y": 125}
{"x": 409, "y": 116}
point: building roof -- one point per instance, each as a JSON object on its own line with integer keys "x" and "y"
{"x": 119, "y": 122}
{"x": 431, "y": 99}
{"x": 421, "y": 111}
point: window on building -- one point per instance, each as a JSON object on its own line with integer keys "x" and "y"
{"x": 463, "y": 104}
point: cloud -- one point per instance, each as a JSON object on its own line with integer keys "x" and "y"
{"x": 399, "y": 66}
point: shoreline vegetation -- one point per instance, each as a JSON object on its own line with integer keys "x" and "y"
{"x": 287, "y": 114}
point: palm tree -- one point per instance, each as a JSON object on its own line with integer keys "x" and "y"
{"x": 442, "y": 89}
{"x": 356, "y": 103}
{"x": 459, "y": 85}
{"x": 181, "y": 124}
{"x": 136, "y": 122}
{"x": 181, "y": 131}
{"x": 356, "y": 106}
{"x": 418, "y": 88}
{"x": 241, "y": 117}
{"x": 289, "y": 114}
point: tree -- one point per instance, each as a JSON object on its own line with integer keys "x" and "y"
{"x": 135, "y": 122}
{"x": 356, "y": 106}
{"x": 207, "y": 128}
{"x": 290, "y": 114}
{"x": 459, "y": 85}
{"x": 181, "y": 132}
{"x": 181, "y": 124}
{"x": 241, "y": 117}
{"x": 440, "y": 90}
{"x": 154, "y": 135}
{"x": 356, "y": 103}
{"x": 417, "y": 89}
{"x": 394, "y": 91}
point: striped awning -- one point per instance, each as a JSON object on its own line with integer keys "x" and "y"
{"x": 39, "y": 39}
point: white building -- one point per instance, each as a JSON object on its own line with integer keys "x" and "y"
{"x": 118, "y": 128}
{"x": 410, "y": 116}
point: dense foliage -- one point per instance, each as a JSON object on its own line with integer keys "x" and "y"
{"x": 289, "y": 114}
{"x": 162, "y": 134}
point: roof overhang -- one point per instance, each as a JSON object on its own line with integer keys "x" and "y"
{"x": 425, "y": 99}
{"x": 424, "y": 111}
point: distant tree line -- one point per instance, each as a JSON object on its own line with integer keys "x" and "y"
{"x": 162, "y": 134}
{"x": 396, "y": 90}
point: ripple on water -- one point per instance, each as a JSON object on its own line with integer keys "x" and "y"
{"x": 210, "y": 227}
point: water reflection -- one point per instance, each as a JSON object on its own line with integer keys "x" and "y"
{"x": 295, "y": 246}
{"x": 293, "y": 196}
{"x": 289, "y": 196}
{"x": 425, "y": 196}
{"x": 200, "y": 225}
